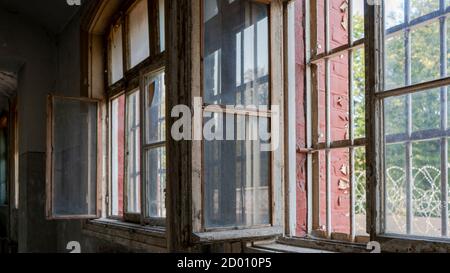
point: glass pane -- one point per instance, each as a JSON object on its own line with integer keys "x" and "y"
{"x": 426, "y": 110}
{"x": 359, "y": 93}
{"x": 133, "y": 154}
{"x": 360, "y": 192}
{"x": 395, "y": 116}
{"x": 115, "y": 54}
{"x": 358, "y": 19}
{"x": 395, "y": 177}
{"x": 412, "y": 55}
{"x": 155, "y": 109}
{"x": 156, "y": 182}
{"x": 425, "y": 53}
{"x": 394, "y": 61}
{"x": 426, "y": 191}
{"x": 423, "y": 7}
{"x": 236, "y": 176}
{"x": 394, "y": 13}
{"x": 138, "y": 27}
{"x": 236, "y": 67}
{"x": 162, "y": 23}
{"x": 74, "y": 158}
{"x": 117, "y": 155}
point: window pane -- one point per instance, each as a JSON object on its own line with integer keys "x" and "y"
{"x": 360, "y": 192}
{"x": 359, "y": 93}
{"x": 394, "y": 61}
{"x": 412, "y": 53}
{"x": 117, "y": 155}
{"x": 115, "y": 54}
{"x": 423, "y": 7}
{"x": 162, "y": 27}
{"x": 413, "y": 164}
{"x": 138, "y": 27}
{"x": 133, "y": 154}
{"x": 358, "y": 19}
{"x": 236, "y": 67}
{"x": 395, "y": 115}
{"x": 395, "y": 177}
{"x": 156, "y": 182}
{"x": 394, "y": 13}
{"x": 155, "y": 109}
{"x": 426, "y": 110}
{"x": 74, "y": 158}
{"x": 425, "y": 53}
{"x": 426, "y": 190}
{"x": 236, "y": 177}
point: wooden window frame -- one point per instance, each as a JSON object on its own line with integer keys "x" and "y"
{"x": 376, "y": 93}
{"x": 200, "y": 233}
{"x": 133, "y": 80}
{"x": 50, "y": 161}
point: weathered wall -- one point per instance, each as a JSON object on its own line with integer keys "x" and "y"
{"x": 48, "y": 64}
{"x": 22, "y": 41}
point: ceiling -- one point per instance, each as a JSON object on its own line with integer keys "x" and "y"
{"x": 51, "y": 14}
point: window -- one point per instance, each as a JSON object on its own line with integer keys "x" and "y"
{"x": 138, "y": 33}
{"x": 238, "y": 173}
{"x": 154, "y": 148}
{"x": 72, "y": 190}
{"x": 137, "y": 157}
{"x": 415, "y": 119}
{"x": 335, "y": 132}
{"x": 117, "y": 136}
{"x": 130, "y": 118}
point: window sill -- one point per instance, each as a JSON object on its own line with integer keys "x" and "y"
{"x": 143, "y": 238}
{"x": 237, "y": 235}
{"x": 328, "y": 246}
{"x": 274, "y": 247}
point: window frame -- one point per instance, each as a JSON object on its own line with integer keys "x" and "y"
{"x": 313, "y": 144}
{"x": 152, "y": 74}
{"x": 376, "y": 93}
{"x": 201, "y": 234}
{"x": 50, "y": 160}
{"x": 132, "y": 81}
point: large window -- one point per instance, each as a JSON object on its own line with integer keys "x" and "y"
{"x": 238, "y": 173}
{"x": 335, "y": 133}
{"x": 415, "y": 118}
{"x": 136, "y": 90}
